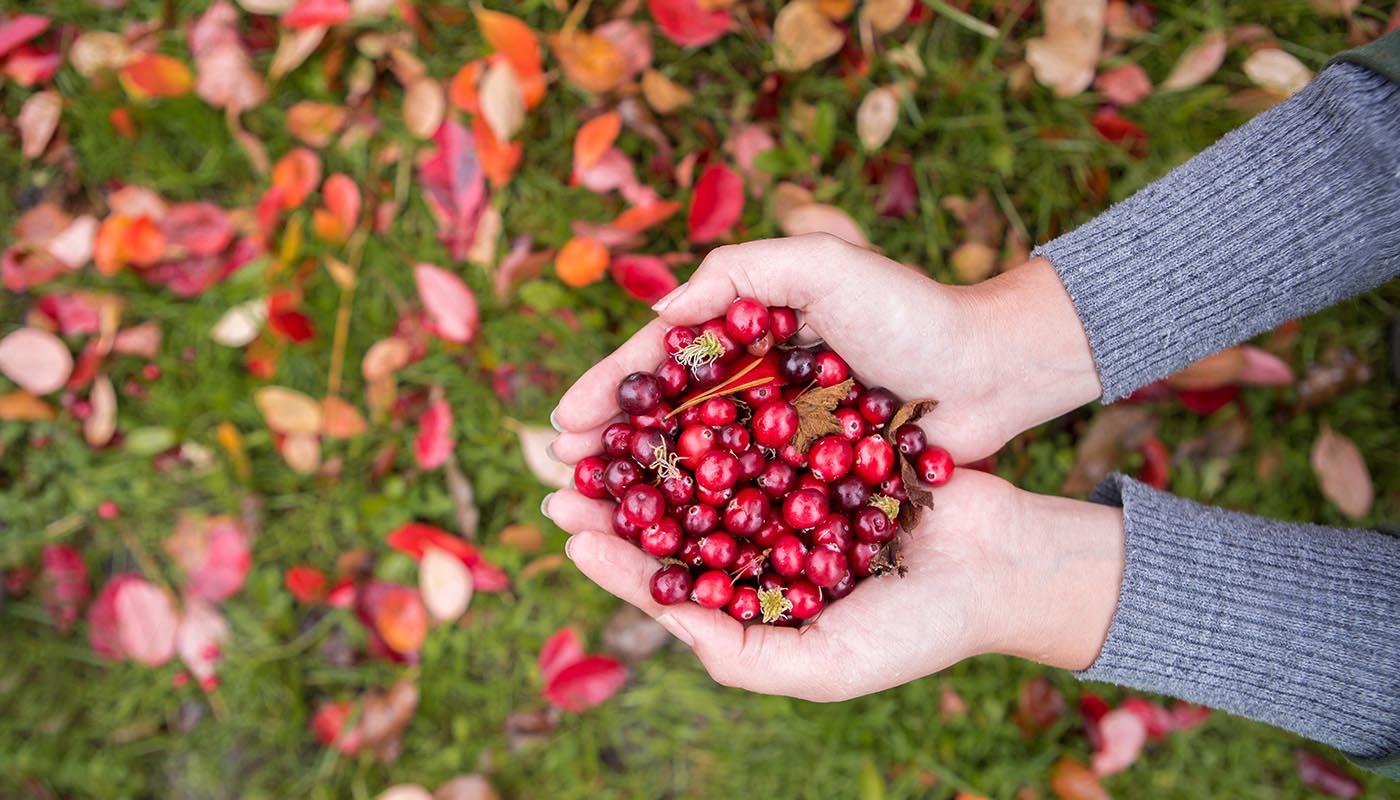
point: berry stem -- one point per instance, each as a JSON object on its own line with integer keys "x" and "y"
{"x": 706, "y": 348}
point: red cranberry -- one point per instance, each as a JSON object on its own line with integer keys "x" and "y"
{"x": 708, "y": 374}
{"x": 699, "y": 519}
{"x": 747, "y": 512}
{"x": 734, "y": 438}
{"x": 759, "y": 395}
{"x": 798, "y": 366}
{"x": 835, "y": 530}
{"x": 690, "y": 552}
{"x": 643, "y": 505}
{"x": 624, "y": 527}
{"x": 748, "y": 562}
{"x": 645, "y": 443}
{"x": 663, "y": 538}
{"x": 718, "y": 411}
{"x": 772, "y": 531}
{"x": 805, "y": 597}
{"x": 852, "y": 424}
{"x": 830, "y": 458}
{"x": 788, "y": 556}
{"x": 910, "y": 439}
{"x": 689, "y": 418}
{"x": 639, "y": 393}
{"x": 874, "y": 525}
{"x": 713, "y": 589}
{"x": 673, "y": 379}
{"x": 657, "y": 419}
{"x": 831, "y": 369}
{"x": 934, "y": 465}
{"x": 893, "y": 486}
{"x": 747, "y": 320}
{"x": 843, "y": 588}
{"x": 711, "y": 497}
{"x": 617, "y": 439}
{"x": 774, "y": 423}
{"x": 719, "y": 550}
{"x": 874, "y": 459}
{"x": 717, "y": 470}
{"x": 621, "y": 475}
{"x": 783, "y": 322}
{"x": 878, "y": 405}
{"x": 670, "y": 585}
{"x": 678, "y": 338}
{"x": 804, "y": 508}
{"x": 792, "y": 456}
{"x": 678, "y": 489}
{"x": 850, "y": 493}
{"x": 777, "y": 479}
{"x": 861, "y": 556}
{"x": 694, "y": 443}
{"x": 731, "y": 347}
{"x": 853, "y": 396}
{"x": 769, "y": 581}
{"x": 745, "y": 605}
{"x": 751, "y": 463}
{"x": 809, "y": 481}
{"x": 760, "y": 348}
{"x": 588, "y": 477}
{"x": 825, "y": 566}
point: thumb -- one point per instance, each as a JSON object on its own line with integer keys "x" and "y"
{"x": 796, "y": 272}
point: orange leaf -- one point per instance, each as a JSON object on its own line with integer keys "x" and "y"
{"x": 515, "y": 41}
{"x": 401, "y": 619}
{"x": 123, "y": 240}
{"x": 156, "y": 75}
{"x": 581, "y": 261}
{"x": 341, "y": 420}
{"x": 594, "y": 139}
{"x": 296, "y": 174}
{"x": 335, "y": 222}
{"x": 592, "y": 62}
{"x": 1070, "y": 780}
{"x": 21, "y": 406}
{"x": 498, "y": 160}
{"x": 461, "y": 92}
{"x": 639, "y": 218}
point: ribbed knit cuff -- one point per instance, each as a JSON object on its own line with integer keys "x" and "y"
{"x": 1295, "y": 625}
{"x": 1293, "y": 212}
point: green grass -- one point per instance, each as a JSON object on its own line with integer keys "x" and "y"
{"x": 84, "y": 727}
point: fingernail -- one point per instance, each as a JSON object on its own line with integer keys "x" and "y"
{"x": 569, "y": 546}
{"x": 544, "y": 505}
{"x": 554, "y": 422}
{"x": 676, "y": 629}
{"x": 549, "y": 451}
{"x": 670, "y": 298}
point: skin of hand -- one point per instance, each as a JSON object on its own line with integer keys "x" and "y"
{"x": 991, "y": 568}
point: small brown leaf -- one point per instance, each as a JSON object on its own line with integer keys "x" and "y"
{"x": 543, "y": 565}
{"x": 663, "y": 94}
{"x": 1198, "y": 63}
{"x": 1071, "y": 780}
{"x": 313, "y": 123}
{"x": 973, "y": 261}
{"x": 803, "y": 35}
{"x": 1065, "y": 57}
{"x": 463, "y": 500}
{"x": 919, "y": 496}
{"x": 815, "y": 417}
{"x": 885, "y": 15}
{"x": 912, "y": 411}
{"x": 37, "y": 121}
{"x": 1112, "y": 432}
{"x": 385, "y": 716}
{"x": 1342, "y": 473}
{"x": 525, "y": 538}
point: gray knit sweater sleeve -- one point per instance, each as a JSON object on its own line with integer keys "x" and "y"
{"x": 1293, "y": 212}
{"x": 1296, "y": 625}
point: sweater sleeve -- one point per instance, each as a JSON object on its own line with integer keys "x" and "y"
{"x": 1293, "y": 212}
{"x": 1295, "y": 625}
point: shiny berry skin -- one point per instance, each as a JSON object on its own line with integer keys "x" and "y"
{"x": 769, "y": 581}
{"x": 798, "y": 366}
{"x": 934, "y": 466}
{"x": 861, "y": 556}
{"x": 717, "y": 470}
{"x": 782, "y": 321}
{"x": 878, "y": 405}
{"x": 805, "y": 597}
{"x": 804, "y": 508}
{"x": 690, "y": 552}
{"x": 774, "y": 423}
{"x": 689, "y": 418}
{"x": 850, "y": 493}
{"x": 678, "y": 338}
{"x": 734, "y": 438}
{"x": 843, "y": 588}
{"x": 788, "y": 556}
{"x": 748, "y": 562}
{"x": 713, "y": 589}
{"x": 657, "y": 419}
{"x": 712, "y": 497}
{"x": 708, "y": 374}
{"x": 643, "y": 505}
{"x": 644, "y": 444}
{"x": 759, "y": 395}
{"x": 695, "y": 442}
{"x": 624, "y": 527}
{"x": 671, "y": 585}
{"x": 745, "y": 606}
{"x": 747, "y": 320}
{"x": 760, "y": 348}
{"x": 621, "y": 475}
{"x": 678, "y": 489}
{"x": 719, "y": 550}
{"x": 830, "y": 458}
{"x": 910, "y": 440}
{"x": 751, "y": 463}
{"x": 835, "y": 530}
{"x": 663, "y": 538}
{"x": 617, "y": 439}
{"x": 809, "y": 481}
{"x": 747, "y": 512}
{"x": 777, "y": 479}
{"x": 699, "y": 519}
{"x": 873, "y": 525}
{"x": 732, "y": 348}
{"x": 825, "y": 566}
{"x": 852, "y": 398}
{"x": 893, "y": 486}
{"x": 639, "y": 393}
{"x": 772, "y": 531}
{"x": 831, "y": 369}
{"x": 588, "y": 477}
{"x": 718, "y": 411}
{"x": 852, "y": 424}
{"x": 792, "y": 456}
{"x": 673, "y": 379}
{"x": 874, "y": 461}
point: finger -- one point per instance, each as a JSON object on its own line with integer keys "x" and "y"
{"x": 571, "y": 447}
{"x": 796, "y": 271}
{"x": 573, "y": 512}
{"x": 592, "y": 400}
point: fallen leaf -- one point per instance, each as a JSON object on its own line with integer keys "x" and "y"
{"x": 102, "y": 420}
{"x": 1336, "y": 8}
{"x": 338, "y": 219}
{"x": 1337, "y": 371}
{"x": 21, "y": 406}
{"x": 973, "y": 261}
{"x": 314, "y": 123}
{"x": 1039, "y": 705}
{"x": 306, "y": 583}
{"x": 63, "y": 584}
{"x": 595, "y": 137}
{"x": 293, "y": 47}
{"x": 822, "y": 218}
{"x": 434, "y": 442}
{"x": 884, "y": 16}
{"x": 591, "y": 62}
{"x": 241, "y": 324}
{"x": 316, "y": 14}
{"x": 445, "y": 583}
{"x": 340, "y": 420}
{"x": 1277, "y": 71}
{"x": 38, "y": 119}
{"x": 581, "y": 261}
{"x": 214, "y": 554}
{"x": 156, "y": 75}
{"x": 687, "y": 24}
{"x": 404, "y": 791}
{"x": 1065, "y": 57}
{"x": 288, "y": 411}
{"x": 664, "y": 95}
{"x": 585, "y": 683}
{"x": 331, "y": 725}
{"x": 31, "y": 66}
{"x": 534, "y": 444}
{"x": 803, "y": 35}
{"x": 716, "y": 204}
{"x": 454, "y": 187}
{"x": 1198, "y": 63}
{"x": 296, "y": 175}
{"x": 385, "y": 715}
{"x": 400, "y": 619}
{"x": 1156, "y": 720}
{"x": 1071, "y": 780}
{"x": 1112, "y": 432}
{"x": 1124, "y": 85}
{"x": 1122, "y": 736}
{"x": 1342, "y": 473}
{"x": 19, "y": 29}
{"x": 632, "y": 635}
{"x": 452, "y": 309}
{"x": 515, "y": 41}
{"x": 424, "y": 107}
{"x": 385, "y": 357}
{"x": 226, "y": 78}
{"x": 466, "y": 787}
{"x": 876, "y": 117}
{"x": 36, "y": 360}
{"x": 146, "y": 622}
{"x": 1323, "y": 776}
{"x": 200, "y": 637}
{"x": 645, "y": 277}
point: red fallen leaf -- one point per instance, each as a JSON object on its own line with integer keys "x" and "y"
{"x": 899, "y": 192}
{"x": 102, "y": 617}
{"x": 145, "y": 622}
{"x": 200, "y": 229}
{"x": 1092, "y": 708}
{"x": 585, "y": 683}
{"x": 306, "y": 583}
{"x": 1116, "y": 128}
{"x": 1186, "y": 716}
{"x": 342, "y": 594}
{"x": 337, "y": 220}
{"x": 454, "y": 187}
{"x": 331, "y": 726}
{"x": 559, "y": 651}
{"x": 74, "y": 313}
{"x": 316, "y": 13}
{"x": 63, "y": 584}
{"x": 433, "y": 444}
{"x": 646, "y": 278}
{"x": 716, "y": 204}
{"x": 18, "y": 30}
{"x": 686, "y": 24}
{"x": 296, "y": 174}
{"x": 451, "y": 306}
{"x": 1040, "y": 704}
{"x": 292, "y": 325}
{"x": 400, "y": 619}
{"x": 188, "y": 277}
{"x": 1122, "y": 735}
{"x": 156, "y": 75}
{"x": 31, "y": 66}
{"x": 413, "y": 539}
{"x": 1157, "y": 720}
{"x": 200, "y": 638}
{"x": 1124, "y": 85}
{"x": 1208, "y": 401}
{"x": 1324, "y": 776}
{"x": 1156, "y": 463}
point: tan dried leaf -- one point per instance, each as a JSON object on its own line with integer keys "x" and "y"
{"x": 445, "y": 583}
{"x": 1198, "y": 63}
{"x": 1112, "y": 432}
{"x": 663, "y": 94}
{"x": 385, "y": 716}
{"x": 1065, "y": 57}
{"x": 302, "y": 452}
{"x": 404, "y": 791}
{"x": 424, "y": 105}
{"x": 815, "y": 417}
{"x": 38, "y": 119}
{"x": 466, "y": 787}
{"x": 973, "y": 261}
{"x": 502, "y": 102}
{"x": 876, "y": 117}
{"x": 98, "y": 51}
{"x": 1277, "y": 71}
{"x": 1336, "y": 8}
{"x": 803, "y": 35}
{"x": 1342, "y": 473}
{"x": 912, "y": 411}
{"x": 102, "y": 422}
{"x": 822, "y": 218}
{"x": 315, "y": 124}
{"x": 534, "y": 445}
{"x": 884, "y": 16}
{"x": 288, "y": 411}
{"x": 341, "y": 420}
{"x": 789, "y": 196}
{"x": 385, "y": 357}
{"x": 293, "y": 47}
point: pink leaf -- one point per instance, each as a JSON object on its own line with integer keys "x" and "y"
{"x": 200, "y": 229}
{"x": 1186, "y": 716}
{"x": 450, "y": 304}
{"x": 30, "y": 66}
{"x": 1342, "y": 473}
{"x": 586, "y": 683}
{"x": 226, "y": 562}
{"x": 434, "y": 442}
{"x": 225, "y": 74}
{"x": 102, "y": 625}
{"x": 454, "y": 187}
{"x": 716, "y": 204}
{"x": 36, "y": 360}
{"x": 145, "y": 623}
{"x": 1262, "y": 368}
{"x": 63, "y": 585}
{"x": 646, "y": 278}
{"x": 315, "y": 13}
{"x": 1124, "y": 85}
{"x": 1156, "y": 720}
{"x": 686, "y": 24}
{"x": 632, "y": 40}
{"x": 187, "y": 277}
{"x": 1324, "y": 776}
{"x": 21, "y": 29}
{"x": 1122, "y": 735}
{"x": 75, "y": 313}
{"x": 200, "y": 637}
{"x": 559, "y": 651}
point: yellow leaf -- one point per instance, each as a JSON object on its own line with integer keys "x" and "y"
{"x": 21, "y": 406}
{"x": 663, "y": 94}
{"x": 591, "y": 62}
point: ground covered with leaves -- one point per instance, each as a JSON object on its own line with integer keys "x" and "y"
{"x": 291, "y": 288}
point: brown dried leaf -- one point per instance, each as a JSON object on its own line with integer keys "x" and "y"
{"x": 1337, "y": 372}
{"x": 979, "y": 216}
{"x": 102, "y": 422}
{"x": 1040, "y": 704}
{"x": 463, "y": 500}
{"x": 385, "y": 716}
{"x": 876, "y": 117}
{"x": 663, "y": 94}
{"x": 315, "y": 124}
{"x": 543, "y": 565}
{"x": 1112, "y": 432}
{"x": 912, "y": 411}
{"x": 525, "y": 538}
{"x": 973, "y": 261}
{"x": 1198, "y": 63}
{"x": 1065, "y": 57}
{"x": 1342, "y": 473}
{"x": 919, "y": 496}
{"x": 803, "y": 35}
{"x": 1222, "y": 441}
{"x": 885, "y": 15}
{"x": 527, "y": 728}
{"x": 815, "y": 417}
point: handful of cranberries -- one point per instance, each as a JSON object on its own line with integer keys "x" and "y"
{"x": 762, "y": 475}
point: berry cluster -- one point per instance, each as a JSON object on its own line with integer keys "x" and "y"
{"x": 766, "y": 479}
